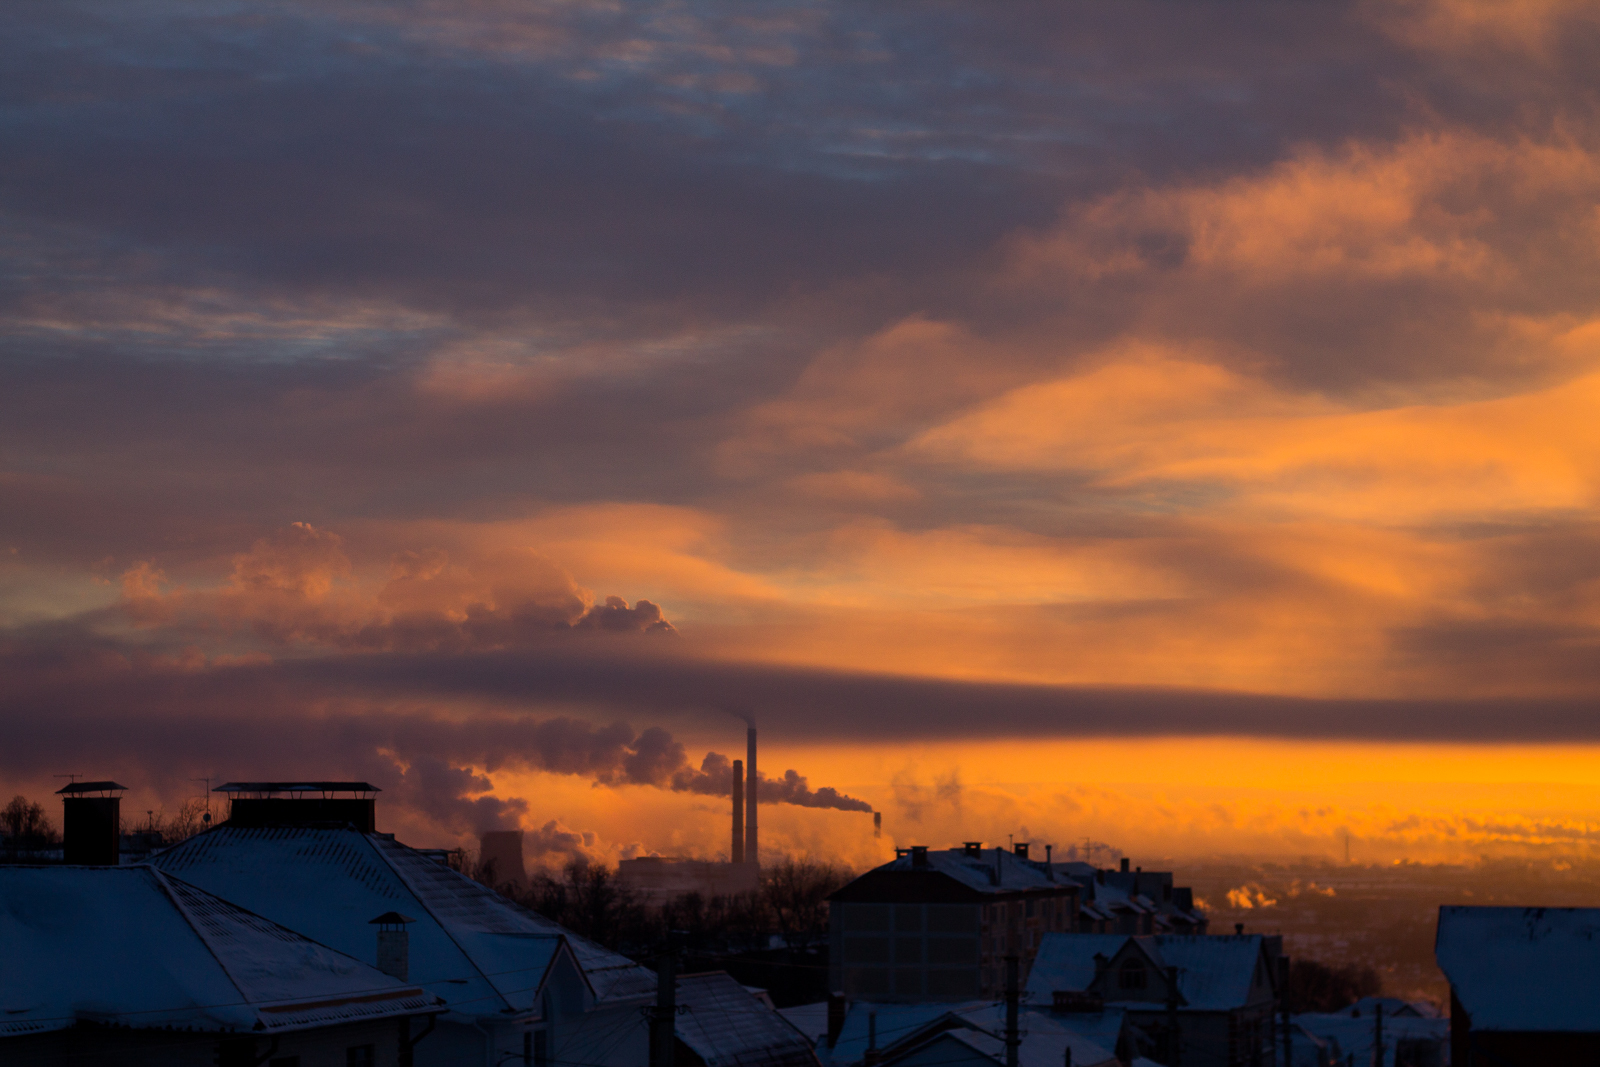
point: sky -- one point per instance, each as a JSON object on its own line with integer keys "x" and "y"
{"x": 1169, "y": 423}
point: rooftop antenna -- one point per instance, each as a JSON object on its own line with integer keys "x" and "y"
{"x": 69, "y": 777}
{"x": 206, "y": 818}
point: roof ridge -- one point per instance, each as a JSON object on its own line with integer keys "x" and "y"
{"x": 177, "y": 901}
{"x": 473, "y": 963}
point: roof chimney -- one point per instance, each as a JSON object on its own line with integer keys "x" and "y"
{"x": 1049, "y": 864}
{"x": 919, "y": 855}
{"x": 1238, "y": 929}
{"x": 837, "y": 1008}
{"x": 302, "y": 804}
{"x": 1021, "y": 849}
{"x": 394, "y": 944}
{"x": 737, "y": 854}
{"x": 91, "y": 823}
{"x": 752, "y": 848}
{"x": 1124, "y": 865}
{"x": 972, "y": 848}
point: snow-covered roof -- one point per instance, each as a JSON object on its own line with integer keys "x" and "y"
{"x": 1527, "y": 969}
{"x": 810, "y": 1019}
{"x": 1355, "y": 1034}
{"x": 1215, "y": 971}
{"x": 1047, "y": 1037}
{"x": 131, "y": 946}
{"x": 976, "y": 873}
{"x": 727, "y": 1026}
{"x": 479, "y": 951}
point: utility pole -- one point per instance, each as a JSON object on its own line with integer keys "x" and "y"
{"x": 663, "y": 1023}
{"x": 1174, "y": 1043}
{"x": 1288, "y": 1040}
{"x": 1377, "y": 1036}
{"x": 1013, "y": 1041}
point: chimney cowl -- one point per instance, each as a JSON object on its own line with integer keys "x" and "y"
{"x": 972, "y": 848}
{"x": 394, "y": 944}
{"x": 1020, "y": 849}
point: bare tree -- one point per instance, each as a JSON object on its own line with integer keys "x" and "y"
{"x": 796, "y": 893}
{"x": 26, "y": 826}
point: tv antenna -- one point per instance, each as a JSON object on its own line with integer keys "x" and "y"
{"x": 206, "y": 818}
{"x": 72, "y": 778}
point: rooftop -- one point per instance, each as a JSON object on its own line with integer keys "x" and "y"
{"x": 468, "y": 944}
{"x": 267, "y": 789}
{"x": 725, "y": 1024}
{"x": 1527, "y": 969}
{"x": 132, "y": 946}
{"x": 1215, "y": 972}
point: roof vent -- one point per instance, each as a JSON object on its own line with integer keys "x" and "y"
{"x": 919, "y": 855}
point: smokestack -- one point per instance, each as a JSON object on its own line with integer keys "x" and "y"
{"x": 752, "y": 848}
{"x": 877, "y": 824}
{"x": 502, "y": 853}
{"x": 737, "y": 854}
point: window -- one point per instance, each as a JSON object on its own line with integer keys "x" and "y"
{"x": 360, "y": 1056}
{"x": 1131, "y": 975}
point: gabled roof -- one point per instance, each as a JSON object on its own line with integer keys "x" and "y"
{"x": 1523, "y": 969}
{"x": 903, "y": 1027}
{"x": 131, "y": 946}
{"x": 727, "y": 1026}
{"x": 1215, "y": 971}
{"x": 471, "y": 946}
{"x": 1354, "y": 1034}
{"x": 967, "y": 878}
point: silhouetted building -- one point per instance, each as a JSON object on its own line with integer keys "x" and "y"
{"x": 1524, "y": 985}
{"x": 659, "y": 879}
{"x": 1132, "y": 901}
{"x": 1208, "y": 998}
{"x": 937, "y": 925}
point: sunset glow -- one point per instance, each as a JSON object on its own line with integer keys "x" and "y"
{"x": 1171, "y": 425}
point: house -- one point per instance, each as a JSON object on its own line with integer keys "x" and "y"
{"x": 1407, "y": 1039}
{"x": 1524, "y": 984}
{"x": 132, "y": 966}
{"x": 938, "y": 925}
{"x": 1135, "y": 901}
{"x": 517, "y": 984}
{"x": 723, "y": 1024}
{"x": 1208, "y": 998}
{"x": 972, "y": 1033}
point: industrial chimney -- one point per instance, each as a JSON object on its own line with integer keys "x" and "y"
{"x": 752, "y": 849}
{"x": 503, "y": 849}
{"x": 91, "y": 818}
{"x": 737, "y": 853}
{"x": 394, "y": 944}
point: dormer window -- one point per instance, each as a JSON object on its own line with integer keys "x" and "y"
{"x": 1131, "y": 975}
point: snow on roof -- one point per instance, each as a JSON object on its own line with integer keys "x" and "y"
{"x": 727, "y": 1026}
{"x": 1215, "y": 972}
{"x": 130, "y": 946}
{"x": 1066, "y": 961}
{"x": 1094, "y": 1042}
{"x": 977, "y": 872}
{"x": 480, "y": 952}
{"x": 1528, "y": 969}
{"x": 981, "y": 1027}
{"x": 810, "y": 1019}
{"x": 1354, "y": 1034}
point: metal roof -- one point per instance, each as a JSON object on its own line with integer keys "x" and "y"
{"x": 727, "y": 1026}
{"x": 133, "y": 946}
{"x": 89, "y": 787}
